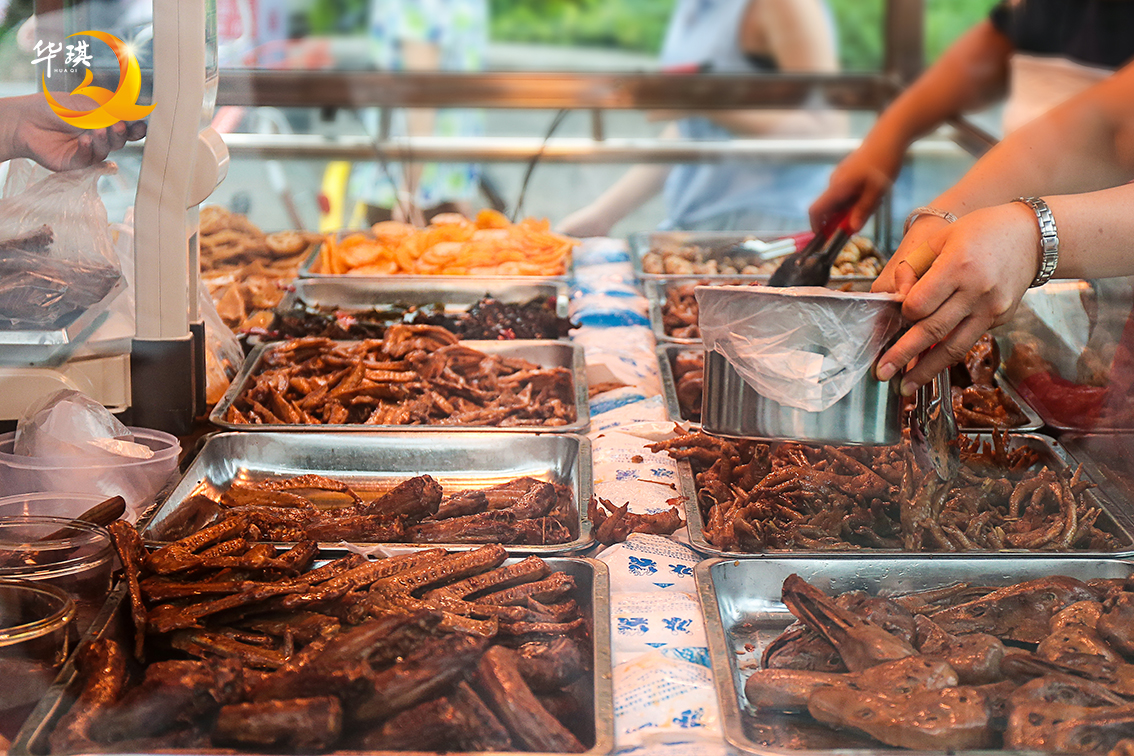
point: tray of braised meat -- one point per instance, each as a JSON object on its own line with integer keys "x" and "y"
{"x": 483, "y": 309}
{"x": 229, "y": 643}
{"x": 413, "y": 378}
{"x": 945, "y": 656}
{"x": 722, "y": 254}
{"x": 982, "y": 401}
{"x": 1014, "y": 494}
{"x": 401, "y": 491}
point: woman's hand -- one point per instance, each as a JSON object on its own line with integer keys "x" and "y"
{"x": 37, "y": 133}
{"x": 985, "y": 262}
{"x": 858, "y": 183}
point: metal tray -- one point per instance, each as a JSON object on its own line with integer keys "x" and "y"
{"x": 743, "y": 612}
{"x": 545, "y": 353}
{"x": 642, "y": 242}
{"x": 1120, "y": 515}
{"x": 306, "y": 272}
{"x": 592, "y": 593}
{"x": 667, "y": 352}
{"x": 53, "y": 346}
{"x": 374, "y": 463}
{"x": 1033, "y": 406}
{"x": 1109, "y": 460}
{"x": 456, "y": 293}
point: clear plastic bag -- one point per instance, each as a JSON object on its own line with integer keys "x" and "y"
{"x": 223, "y": 355}
{"x": 803, "y": 347}
{"x": 57, "y": 258}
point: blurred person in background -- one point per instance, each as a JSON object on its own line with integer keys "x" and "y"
{"x": 732, "y": 36}
{"x": 1038, "y": 52}
{"x": 422, "y": 35}
{"x": 959, "y": 278}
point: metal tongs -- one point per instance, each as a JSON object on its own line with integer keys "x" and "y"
{"x": 767, "y": 250}
{"x": 933, "y": 427}
{"x": 811, "y": 266}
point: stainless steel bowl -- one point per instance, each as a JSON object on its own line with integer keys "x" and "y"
{"x": 869, "y": 415}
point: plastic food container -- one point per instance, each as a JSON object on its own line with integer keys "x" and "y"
{"x": 74, "y": 556}
{"x": 35, "y": 640}
{"x": 137, "y": 481}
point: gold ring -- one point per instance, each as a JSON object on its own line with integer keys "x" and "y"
{"x": 921, "y": 259}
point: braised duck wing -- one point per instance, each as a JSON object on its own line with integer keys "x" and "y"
{"x": 975, "y": 656}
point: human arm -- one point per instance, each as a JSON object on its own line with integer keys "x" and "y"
{"x": 971, "y": 73}
{"x": 1074, "y": 157}
{"x": 639, "y": 184}
{"x": 30, "y": 129}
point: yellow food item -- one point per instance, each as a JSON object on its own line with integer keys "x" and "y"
{"x": 450, "y": 245}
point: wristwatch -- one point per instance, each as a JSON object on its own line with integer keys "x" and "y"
{"x": 1049, "y": 239}
{"x": 917, "y": 212}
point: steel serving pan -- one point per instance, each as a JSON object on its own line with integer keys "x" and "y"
{"x": 668, "y": 352}
{"x": 1117, "y": 516}
{"x": 592, "y": 594}
{"x": 456, "y": 293}
{"x": 715, "y": 243}
{"x": 305, "y": 271}
{"x": 373, "y": 463}
{"x": 741, "y": 603}
{"x": 544, "y": 352}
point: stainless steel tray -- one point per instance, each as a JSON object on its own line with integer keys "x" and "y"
{"x": 642, "y": 242}
{"x": 743, "y": 612}
{"x": 667, "y": 352}
{"x": 306, "y": 272}
{"x": 1120, "y": 514}
{"x": 54, "y": 346}
{"x": 545, "y": 353}
{"x": 592, "y": 594}
{"x": 374, "y": 463}
{"x": 456, "y": 293}
{"x": 1108, "y": 458}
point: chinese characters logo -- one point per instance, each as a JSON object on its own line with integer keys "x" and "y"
{"x": 112, "y": 107}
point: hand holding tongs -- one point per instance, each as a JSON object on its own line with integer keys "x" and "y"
{"x": 811, "y": 266}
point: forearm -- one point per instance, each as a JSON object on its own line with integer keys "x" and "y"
{"x": 1084, "y": 145}
{"x": 786, "y": 123}
{"x": 639, "y": 184}
{"x": 970, "y": 74}
{"x": 1095, "y": 230}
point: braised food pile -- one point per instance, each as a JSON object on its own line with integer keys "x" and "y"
{"x": 451, "y": 245}
{"x": 44, "y": 288}
{"x": 859, "y": 258}
{"x": 756, "y": 497}
{"x": 317, "y": 508}
{"x": 245, "y": 269}
{"x": 414, "y": 375}
{"x": 488, "y": 319}
{"x": 243, "y": 646}
{"x": 1042, "y": 665}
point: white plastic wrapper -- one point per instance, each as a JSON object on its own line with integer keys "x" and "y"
{"x": 625, "y": 471}
{"x": 615, "y": 399}
{"x": 645, "y": 622}
{"x": 646, "y": 563}
{"x": 804, "y": 347}
{"x": 662, "y": 701}
{"x": 650, "y": 409}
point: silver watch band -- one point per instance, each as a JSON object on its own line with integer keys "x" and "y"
{"x": 917, "y": 212}
{"x": 1049, "y": 239}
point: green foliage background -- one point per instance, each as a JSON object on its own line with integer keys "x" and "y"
{"x": 639, "y": 25}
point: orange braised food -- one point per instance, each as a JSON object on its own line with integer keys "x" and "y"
{"x": 450, "y": 245}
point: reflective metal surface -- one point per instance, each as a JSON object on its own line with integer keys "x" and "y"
{"x": 372, "y": 464}
{"x": 743, "y": 612}
{"x": 869, "y": 414}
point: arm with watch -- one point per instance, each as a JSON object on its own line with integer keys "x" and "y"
{"x": 1052, "y": 199}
